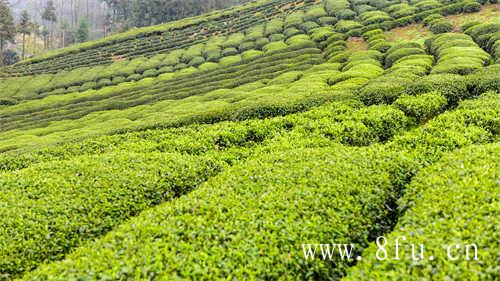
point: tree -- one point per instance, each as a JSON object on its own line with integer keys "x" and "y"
{"x": 7, "y": 27}
{"x": 82, "y": 33}
{"x": 25, "y": 29}
{"x": 45, "y": 34}
{"x": 9, "y": 57}
{"x": 49, "y": 15}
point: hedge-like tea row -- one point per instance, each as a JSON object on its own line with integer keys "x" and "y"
{"x": 270, "y": 203}
{"x": 202, "y": 56}
{"x": 147, "y": 92}
{"x": 487, "y": 35}
{"x": 50, "y": 208}
{"x": 336, "y": 122}
{"x": 406, "y": 63}
{"x": 373, "y": 125}
{"x": 377, "y": 40}
{"x": 254, "y": 100}
{"x": 456, "y": 53}
{"x": 422, "y": 107}
{"x": 452, "y": 202}
{"x": 359, "y": 69}
{"x": 438, "y": 24}
{"x": 189, "y": 32}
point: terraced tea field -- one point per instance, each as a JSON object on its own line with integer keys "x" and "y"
{"x": 216, "y": 147}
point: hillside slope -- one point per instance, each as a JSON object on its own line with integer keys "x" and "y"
{"x": 214, "y": 147}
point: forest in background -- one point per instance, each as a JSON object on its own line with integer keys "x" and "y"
{"x": 31, "y": 27}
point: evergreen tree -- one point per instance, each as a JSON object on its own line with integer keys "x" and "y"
{"x": 25, "y": 29}
{"x": 82, "y": 33}
{"x": 49, "y": 15}
{"x": 7, "y": 27}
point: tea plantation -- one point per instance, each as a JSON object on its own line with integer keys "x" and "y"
{"x": 214, "y": 147}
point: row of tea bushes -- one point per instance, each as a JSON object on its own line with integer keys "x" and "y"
{"x": 159, "y": 42}
{"x": 158, "y": 182}
{"x": 337, "y": 178}
{"x": 487, "y": 35}
{"x": 254, "y": 100}
{"x": 52, "y": 207}
{"x": 374, "y": 124}
{"x": 203, "y": 56}
{"x": 358, "y": 70}
{"x": 411, "y": 79}
{"x": 456, "y": 53}
{"x": 451, "y": 202}
{"x": 162, "y": 88}
{"x": 148, "y": 43}
{"x": 438, "y": 24}
{"x": 377, "y": 40}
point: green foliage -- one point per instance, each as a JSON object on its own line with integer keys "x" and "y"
{"x": 346, "y": 25}
{"x": 457, "y": 53}
{"x": 422, "y": 107}
{"x": 450, "y": 192}
{"x": 87, "y": 197}
{"x": 309, "y": 168}
{"x": 452, "y": 86}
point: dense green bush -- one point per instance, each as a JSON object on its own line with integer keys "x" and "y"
{"x": 346, "y": 25}
{"x": 422, "y": 107}
{"x": 440, "y": 26}
{"x": 457, "y": 53}
{"x": 390, "y": 166}
{"x": 452, "y": 86}
{"x": 85, "y": 198}
{"x": 450, "y": 192}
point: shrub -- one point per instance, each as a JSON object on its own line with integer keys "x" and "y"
{"x": 452, "y": 86}
{"x": 322, "y": 33}
{"x": 469, "y": 24}
{"x": 150, "y": 73}
{"x": 196, "y": 61}
{"x": 286, "y": 78}
{"x": 103, "y": 194}
{"x": 261, "y": 42}
{"x": 274, "y": 26}
{"x": 422, "y": 107}
{"x": 396, "y": 54}
{"x": 165, "y": 69}
{"x": 118, "y": 79}
{"x": 374, "y": 17}
{"x": 208, "y": 66}
{"x": 432, "y": 17}
{"x": 274, "y": 46}
{"x": 471, "y": 6}
{"x": 382, "y": 90}
{"x": 315, "y": 13}
{"x": 289, "y": 32}
{"x": 229, "y": 52}
{"x": 326, "y": 21}
{"x": 104, "y": 82}
{"x": 347, "y": 25}
{"x": 428, "y": 5}
{"x": 294, "y": 20}
{"x": 254, "y": 33}
{"x": 246, "y": 46}
{"x": 133, "y": 77}
{"x": 308, "y": 26}
{"x": 233, "y": 40}
{"x": 276, "y": 37}
{"x": 345, "y": 14}
{"x": 225, "y": 61}
{"x": 440, "y": 26}
{"x": 442, "y": 193}
{"x": 251, "y": 54}
{"x": 88, "y": 86}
